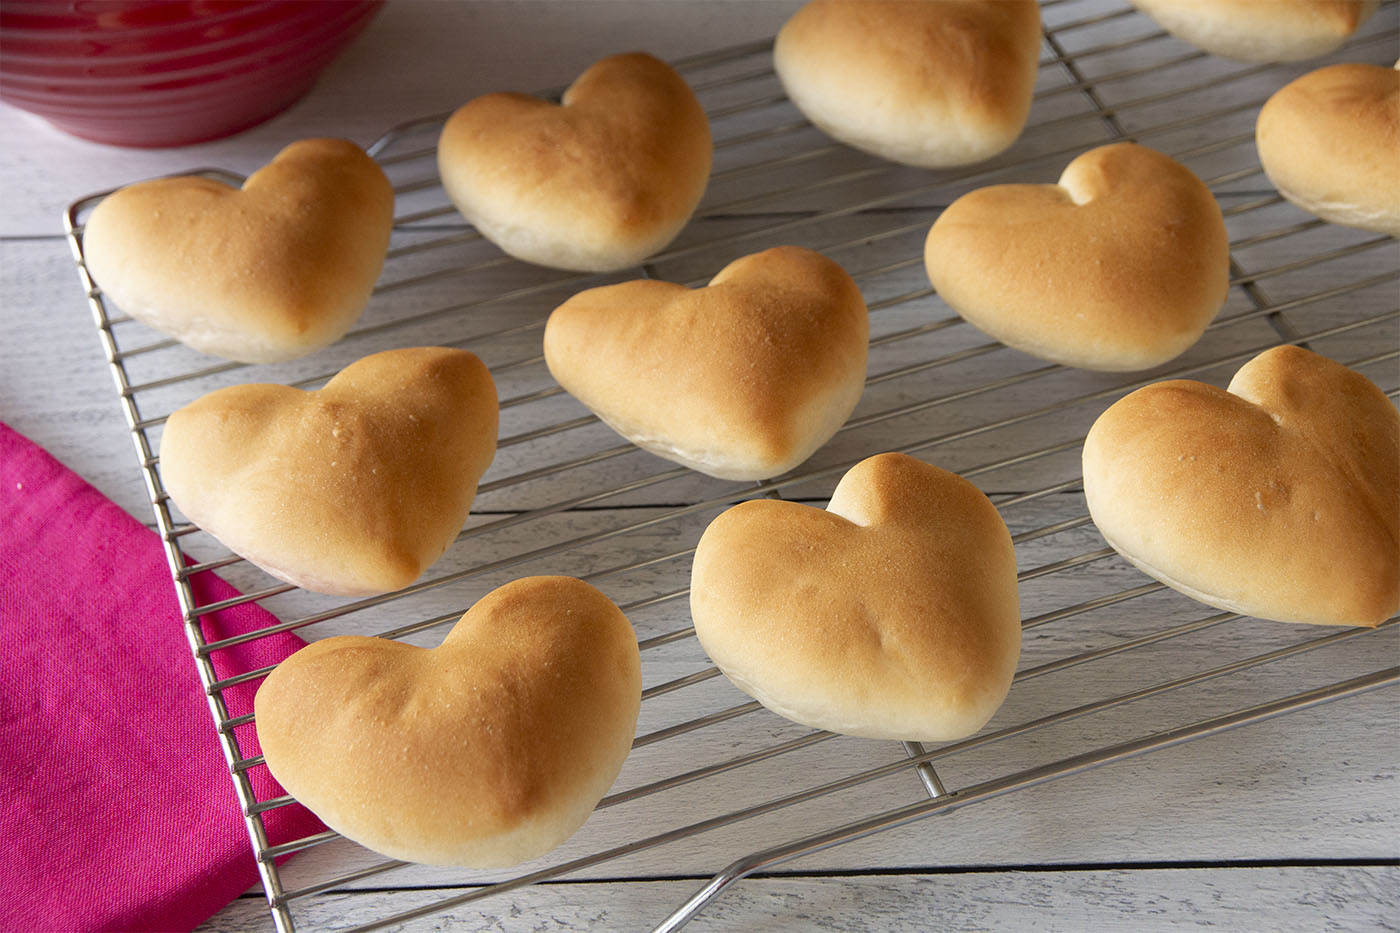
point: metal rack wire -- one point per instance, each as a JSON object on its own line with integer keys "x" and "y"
{"x": 566, "y": 496}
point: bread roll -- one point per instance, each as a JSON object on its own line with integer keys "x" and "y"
{"x": 1330, "y": 143}
{"x": 1118, "y": 267}
{"x": 930, "y": 83}
{"x": 1279, "y": 498}
{"x": 271, "y": 271}
{"x": 597, "y": 184}
{"x": 1261, "y": 30}
{"x": 353, "y": 489}
{"x": 491, "y": 749}
{"x": 743, "y": 379}
{"x": 891, "y": 614}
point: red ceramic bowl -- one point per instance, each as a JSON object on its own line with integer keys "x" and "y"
{"x": 168, "y": 72}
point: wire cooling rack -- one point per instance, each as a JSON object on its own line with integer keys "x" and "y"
{"x": 565, "y": 495}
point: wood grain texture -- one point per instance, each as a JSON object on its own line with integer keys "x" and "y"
{"x": 1316, "y": 786}
{"x": 1244, "y": 899}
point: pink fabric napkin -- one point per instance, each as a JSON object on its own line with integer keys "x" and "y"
{"x": 116, "y": 808}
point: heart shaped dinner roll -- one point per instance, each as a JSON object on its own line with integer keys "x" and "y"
{"x": 1261, "y": 30}
{"x": 932, "y": 83}
{"x": 892, "y": 614}
{"x": 1120, "y": 266}
{"x": 352, "y": 489}
{"x": 486, "y": 751}
{"x": 597, "y": 184}
{"x": 743, "y": 379}
{"x": 268, "y": 272}
{"x": 1330, "y": 143}
{"x": 1279, "y": 498}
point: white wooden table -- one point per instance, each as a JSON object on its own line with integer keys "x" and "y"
{"x": 1286, "y": 824}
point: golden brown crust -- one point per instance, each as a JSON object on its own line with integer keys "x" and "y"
{"x": 486, "y": 751}
{"x": 891, "y": 614}
{"x": 1330, "y": 143}
{"x": 1279, "y": 498}
{"x": 596, "y": 184}
{"x": 1261, "y": 30}
{"x": 353, "y": 489}
{"x": 1118, "y": 267}
{"x": 743, "y": 379}
{"x": 932, "y": 83}
{"x": 268, "y": 272}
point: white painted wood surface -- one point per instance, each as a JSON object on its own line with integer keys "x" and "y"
{"x": 1319, "y": 899}
{"x": 1285, "y": 824}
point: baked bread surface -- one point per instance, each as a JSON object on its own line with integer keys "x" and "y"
{"x": 352, "y": 489}
{"x": 487, "y": 751}
{"x": 742, "y": 379}
{"x": 1330, "y": 142}
{"x": 893, "y": 613}
{"x": 1279, "y": 498}
{"x": 930, "y": 83}
{"x": 1261, "y": 30}
{"x": 267, "y": 272}
{"x": 1120, "y": 266}
{"x": 595, "y": 184}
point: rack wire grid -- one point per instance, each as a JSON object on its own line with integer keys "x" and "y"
{"x": 712, "y": 776}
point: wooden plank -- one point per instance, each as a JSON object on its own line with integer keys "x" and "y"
{"x": 1308, "y": 787}
{"x": 1325, "y": 898}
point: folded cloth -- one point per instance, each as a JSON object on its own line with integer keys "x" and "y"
{"x": 116, "y": 807}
